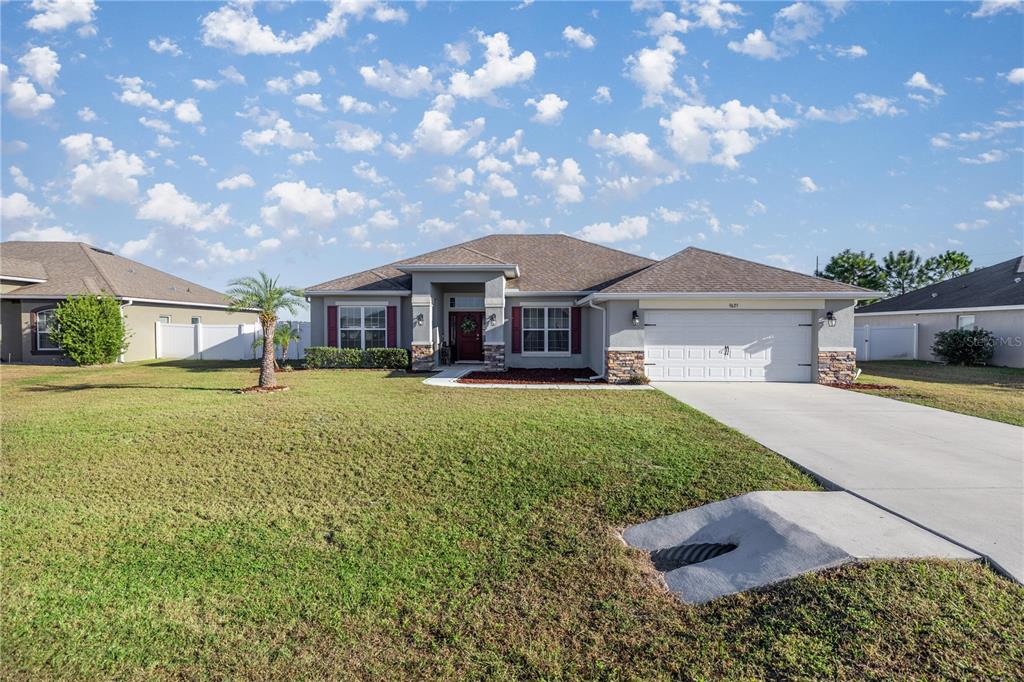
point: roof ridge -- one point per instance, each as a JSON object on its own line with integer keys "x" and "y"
{"x": 86, "y": 248}
{"x": 480, "y": 253}
{"x": 775, "y": 267}
{"x": 654, "y": 265}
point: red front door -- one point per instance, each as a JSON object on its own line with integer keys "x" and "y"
{"x": 469, "y": 336}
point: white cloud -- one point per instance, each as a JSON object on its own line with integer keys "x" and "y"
{"x": 436, "y": 226}
{"x": 86, "y": 114}
{"x": 500, "y": 69}
{"x": 851, "y": 52}
{"x": 205, "y": 84}
{"x": 17, "y": 208}
{"x": 280, "y": 134}
{"x": 298, "y": 203}
{"x": 165, "y": 204}
{"x": 382, "y": 220}
{"x": 603, "y": 95}
{"x": 42, "y": 66}
{"x": 715, "y": 15}
{"x": 57, "y": 15}
{"x": 310, "y": 100}
{"x": 871, "y": 105}
{"x": 101, "y": 170}
{"x": 355, "y": 138}
{"x": 232, "y": 75}
{"x": 941, "y": 141}
{"x": 49, "y": 234}
{"x": 236, "y": 182}
{"x": 457, "y": 53}
{"x": 132, "y": 93}
{"x": 807, "y": 185}
{"x": 435, "y": 133}
{"x": 635, "y": 146}
{"x": 20, "y": 96}
{"x": 1016, "y": 76}
{"x": 20, "y": 179}
{"x": 919, "y": 82}
{"x": 348, "y": 103}
{"x": 971, "y": 225}
{"x": 300, "y": 158}
{"x": 992, "y": 156}
{"x": 235, "y": 27}
{"x": 155, "y": 124}
{"x": 994, "y": 203}
{"x": 797, "y": 22}
{"x": 877, "y": 105}
{"x": 200, "y": 160}
{"x": 133, "y": 248}
{"x": 565, "y": 179}
{"x": 367, "y": 172}
{"x": 666, "y": 23}
{"x": 699, "y": 134}
{"x": 445, "y": 179}
{"x": 398, "y": 81}
{"x": 164, "y": 45}
{"x": 756, "y": 208}
{"x": 990, "y": 8}
{"x": 634, "y": 227}
{"x": 549, "y": 108}
{"x": 756, "y": 45}
{"x": 253, "y": 231}
{"x": 188, "y": 112}
{"x": 279, "y": 85}
{"x": 578, "y": 37}
{"x": 501, "y": 185}
{"x": 306, "y": 78}
{"x": 492, "y": 164}
{"x": 653, "y": 69}
{"x": 669, "y": 216}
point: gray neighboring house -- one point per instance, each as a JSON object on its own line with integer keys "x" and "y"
{"x": 989, "y": 298}
{"x": 548, "y": 301}
{"x": 36, "y": 276}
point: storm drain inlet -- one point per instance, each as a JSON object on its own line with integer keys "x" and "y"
{"x": 671, "y": 558}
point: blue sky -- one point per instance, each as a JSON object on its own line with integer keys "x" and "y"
{"x": 314, "y": 140}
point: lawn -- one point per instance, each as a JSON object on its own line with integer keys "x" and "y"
{"x": 155, "y": 524}
{"x": 989, "y": 392}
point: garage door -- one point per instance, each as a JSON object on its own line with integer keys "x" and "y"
{"x": 728, "y": 345}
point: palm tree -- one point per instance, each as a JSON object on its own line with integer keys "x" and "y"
{"x": 264, "y": 295}
{"x": 284, "y": 334}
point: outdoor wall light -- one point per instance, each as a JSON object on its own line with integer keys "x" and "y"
{"x": 636, "y": 318}
{"x": 419, "y": 320}
{"x": 830, "y": 318}
{"x": 490, "y": 320}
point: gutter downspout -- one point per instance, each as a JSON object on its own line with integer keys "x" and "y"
{"x": 604, "y": 337}
{"x": 120, "y": 358}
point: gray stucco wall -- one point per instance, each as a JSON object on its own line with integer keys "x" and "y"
{"x": 839, "y": 337}
{"x": 593, "y": 323}
{"x": 582, "y": 359}
{"x": 318, "y": 314}
{"x": 622, "y": 335}
{"x": 1006, "y": 325}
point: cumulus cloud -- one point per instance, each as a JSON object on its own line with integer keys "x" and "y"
{"x": 578, "y": 37}
{"x": 701, "y": 134}
{"x": 20, "y": 180}
{"x": 756, "y": 45}
{"x": 235, "y": 27}
{"x": 435, "y": 226}
{"x": 280, "y": 134}
{"x": 296, "y": 203}
{"x": 164, "y": 45}
{"x": 457, "y": 53}
{"x": 310, "y": 100}
{"x": 348, "y": 103}
{"x": 86, "y": 114}
{"x": 851, "y": 52}
{"x": 49, "y": 234}
{"x": 500, "y": 69}
{"x": 446, "y": 179}
{"x": 398, "y": 81}
{"x": 968, "y": 226}
{"x": 990, "y": 8}
{"x": 42, "y": 65}
{"x": 922, "y": 90}
{"x": 864, "y": 104}
{"x": 1016, "y": 76}
{"x": 1008, "y": 200}
{"x": 807, "y": 185}
{"x": 236, "y": 182}
{"x": 501, "y": 185}
{"x": 435, "y": 133}
{"x": 100, "y": 170}
{"x": 17, "y": 208}
{"x": 791, "y": 26}
{"x": 634, "y": 227}
{"x": 188, "y": 112}
{"x": 653, "y": 69}
{"x": 133, "y": 93}
{"x": 565, "y": 179}
{"x": 549, "y": 108}
{"x": 991, "y": 156}
{"x": 356, "y": 138}
{"x": 634, "y": 146}
{"x": 165, "y": 204}
{"x": 602, "y": 95}
{"x": 20, "y": 96}
{"x": 57, "y": 15}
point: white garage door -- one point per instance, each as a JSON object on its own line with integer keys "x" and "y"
{"x": 728, "y": 345}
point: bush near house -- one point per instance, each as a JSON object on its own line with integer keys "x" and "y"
{"x": 90, "y": 329}
{"x": 965, "y": 346}
{"x": 325, "y": 357}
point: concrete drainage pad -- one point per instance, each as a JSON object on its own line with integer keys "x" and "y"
{"x": 779, "y": 535}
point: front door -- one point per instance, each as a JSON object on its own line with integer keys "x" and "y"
{"x": 469, "y": 336}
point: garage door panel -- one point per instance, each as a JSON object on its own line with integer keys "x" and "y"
{"x": 690, "y": 345}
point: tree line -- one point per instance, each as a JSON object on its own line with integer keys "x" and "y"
{"x": 899, "y": 272}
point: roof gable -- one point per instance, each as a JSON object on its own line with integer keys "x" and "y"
{"x": 1001, "y": 284}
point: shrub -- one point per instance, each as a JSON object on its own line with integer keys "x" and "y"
{"x": 90, "y": 329}
{"x": 325, "y": 357}
{"x": 639, "y": 379}
{"x": 965, "y": 346}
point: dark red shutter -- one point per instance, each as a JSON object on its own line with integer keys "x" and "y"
{"x": 574, "y": 332}
{"x": 332, "y": 326}
{"x": 517, "y": 329}
{"x": 392, "y": 326}
{"x": 35, "y": 337}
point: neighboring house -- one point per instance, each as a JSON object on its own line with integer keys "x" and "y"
{"x": 989, "y": 298}
{"x": 36, "y": 276}
{"x": 557, "y": 301}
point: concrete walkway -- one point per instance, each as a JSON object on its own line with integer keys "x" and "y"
{"x": 958, "y": 476}
{"x": 449, "y": 377}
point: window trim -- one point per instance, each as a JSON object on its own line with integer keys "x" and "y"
{"x": 546, "y": 329}
{"x": 39, "y": 345}
{"x": 196, "y": 319}
{"x": 972, "y": 326}
{"x": 362, "y": 328}
{"x": 160, "y": 319}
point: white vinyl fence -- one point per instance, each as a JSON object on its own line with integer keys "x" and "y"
{"x": 886, "y": 343}
{"x": 220, "y": 341}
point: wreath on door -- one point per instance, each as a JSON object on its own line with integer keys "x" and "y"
{"x": 468, "y": 325}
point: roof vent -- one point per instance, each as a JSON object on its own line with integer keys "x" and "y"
{"x": 109, "y": 253}
{"x": 1016, "y": 280}
{"x": 934, "y": 294}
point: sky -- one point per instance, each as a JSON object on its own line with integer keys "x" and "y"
{"x": 315, "y": 140}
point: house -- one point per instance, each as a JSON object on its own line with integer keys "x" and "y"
{"x": 36, "y": 276}
{"x": 989, "y": 298}
{"x": 556, "y": 301}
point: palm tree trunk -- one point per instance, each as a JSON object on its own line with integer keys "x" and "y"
{"x": 267, "y": 378}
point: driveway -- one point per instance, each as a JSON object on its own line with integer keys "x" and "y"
{"x": 961, "y": 477}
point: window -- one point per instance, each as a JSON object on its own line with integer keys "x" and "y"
{"x": 965, "y": 321}
{"x": 362, "y": 327}
{"x": 545, "y": 330}
{"x": 164, "y": 319}
{"x": 196, "y": 320}
{"x": 44, "y": 320}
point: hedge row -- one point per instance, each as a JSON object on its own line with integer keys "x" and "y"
{"x": 323, "y": 357}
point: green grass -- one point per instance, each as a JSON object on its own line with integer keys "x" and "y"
{"x": 155, "y": 524}
{"x": 989, "y": 392}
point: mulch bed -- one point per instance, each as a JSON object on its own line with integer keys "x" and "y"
{"x": 260, "y": 389}
{"x": 528, "y": 376}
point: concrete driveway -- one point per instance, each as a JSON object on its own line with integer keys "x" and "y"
{"x": 958, "y": 476}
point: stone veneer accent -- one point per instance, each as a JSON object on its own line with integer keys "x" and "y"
{"x": 422, "y": 357}
{"x": 837, "y": 366}
{"x": 494, "y": 357}
{"x": 623, "y": 365}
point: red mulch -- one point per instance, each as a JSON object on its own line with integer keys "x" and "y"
{"x": 260, "y": 389}
{"x": 867, "y": 387}
{"x": 528, "y": 376}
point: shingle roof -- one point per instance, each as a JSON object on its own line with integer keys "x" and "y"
{"x": 694, "y": 270}
{"x": 20, "y": 268}
{"x": 547, "y": 262}
{"x": 997, "y": 285}
{"x": 75, "y": 268}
